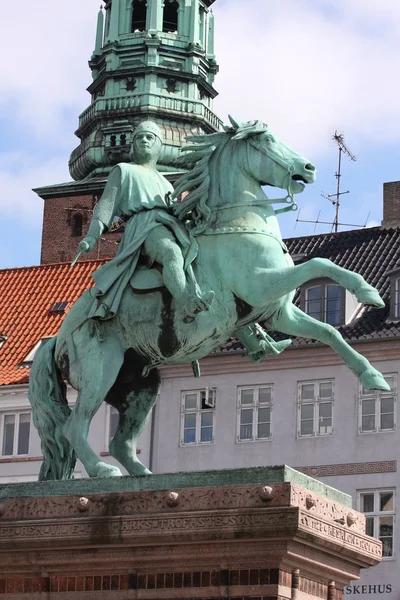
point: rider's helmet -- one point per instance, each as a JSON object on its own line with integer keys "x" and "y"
{"x": 149, "y": 127}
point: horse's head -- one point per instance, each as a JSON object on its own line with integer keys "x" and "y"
{"x": 239, "y": 160}
{"x": 272, "y": 163}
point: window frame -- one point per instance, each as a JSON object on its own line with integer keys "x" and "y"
{"x": 255, "y": 406}
{"x": 316, "y": 402}
{"x": 17, "y": 414}
{"x": 198, "y": 411}
{"x": 376, "y": 514}
{"x": 377, "y": 396}
{"x": 323, "y": 284}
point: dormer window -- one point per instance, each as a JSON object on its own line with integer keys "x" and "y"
{"x": 324, "y": 300}
{"x": 170, "y": 19}
{"x": 394, "y": 275}
{"x": 28, "y": 360}
{"x": 397, "y": 297}
{"x": 139, "y": 16}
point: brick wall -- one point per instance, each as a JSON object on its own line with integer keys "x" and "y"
{"x": 62, "y": 220}
{"x": 391, "y": 204}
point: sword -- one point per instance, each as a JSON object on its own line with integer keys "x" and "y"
{"x": 76, "y": 258}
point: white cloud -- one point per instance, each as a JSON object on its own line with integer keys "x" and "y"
{"x": 18, "y": 175}
{"x": 308, "y": 68}
{"x": 45, "y": 71}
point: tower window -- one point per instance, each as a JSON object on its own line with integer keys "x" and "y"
{"x": 77, "y": 222}
{"x": 170, "y": 21}
{"x": 139, "y": 13}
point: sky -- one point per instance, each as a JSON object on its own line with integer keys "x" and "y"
{"x": 307, "y": 68}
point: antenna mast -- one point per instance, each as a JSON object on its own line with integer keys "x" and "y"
{"x": 339, "y": 139}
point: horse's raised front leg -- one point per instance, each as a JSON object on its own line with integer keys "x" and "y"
{"x": 133, "y": 396}
{"x": 279, "y": 282}
{"x": 97, "y": 367}
{"x": 293, "y": 321}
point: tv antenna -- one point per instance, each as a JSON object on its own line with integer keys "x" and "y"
{"x": 335, "y": 198}
{"x": 343, "y": 149}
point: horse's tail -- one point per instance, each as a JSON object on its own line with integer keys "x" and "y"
{"x": 48, "y": 397}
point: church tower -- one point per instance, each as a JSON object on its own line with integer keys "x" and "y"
{"x": 153, "y": 59}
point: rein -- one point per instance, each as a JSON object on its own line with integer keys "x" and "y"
{"x": 288, "y": 199}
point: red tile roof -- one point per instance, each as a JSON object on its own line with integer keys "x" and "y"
{"x": 26, "y": 296}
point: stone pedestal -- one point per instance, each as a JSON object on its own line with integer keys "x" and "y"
{"x": 266, "y": 533}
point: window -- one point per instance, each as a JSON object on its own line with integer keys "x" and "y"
{"x": 58, "y": 307}
{"x": 197, "y": 417}
{"x": 170, "y": 20}
{"x": 325, "y": 302}
{"x": 28, "y": 360}
{"x": 254, "y": 413}
{"x": 139, "y": 14}
{"x": 15, "y": 433}
{"x": 77, "y": 224}
{"x": 378, "y": 507}
{"x": 3, "y": 338}
{"x": 394, "y": 276}
{"x": 315, "y": 410}
{"x": 377, "y": 409}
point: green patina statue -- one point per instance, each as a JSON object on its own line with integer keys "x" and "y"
{"x": 147, "y": 308}
{"x": 140, "y": 195}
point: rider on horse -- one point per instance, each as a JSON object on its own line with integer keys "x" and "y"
{"x": 140, "y": 195}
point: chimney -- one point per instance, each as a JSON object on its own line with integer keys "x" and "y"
{"x": 391, "y": 205}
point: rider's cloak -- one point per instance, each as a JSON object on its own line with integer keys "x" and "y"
{"x": 138, "y": 194}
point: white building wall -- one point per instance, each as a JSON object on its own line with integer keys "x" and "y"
{"x": 345, "y": 451}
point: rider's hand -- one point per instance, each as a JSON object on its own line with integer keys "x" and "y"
{"x": 87, "y": 244}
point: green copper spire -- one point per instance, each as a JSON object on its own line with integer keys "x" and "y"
{"x": 153, "y": 59}
{"x": 99, "y": 32}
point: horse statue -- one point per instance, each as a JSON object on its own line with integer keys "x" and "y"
{"x": 241, "y": 256}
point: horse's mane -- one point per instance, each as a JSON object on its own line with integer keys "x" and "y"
{"x": 196, "y": 182}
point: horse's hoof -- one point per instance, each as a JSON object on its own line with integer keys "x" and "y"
{"x": 139, "y": 469}
{"x": 105, "y": 470}
{"x": 373, "y": 380}
{"x": 370, "y": 297}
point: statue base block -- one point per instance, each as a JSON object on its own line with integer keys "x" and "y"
{"x": 254, "y": 534}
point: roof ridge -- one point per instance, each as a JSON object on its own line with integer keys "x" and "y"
{"x": 59, "y": 264}
{"x": 362, "y": 230}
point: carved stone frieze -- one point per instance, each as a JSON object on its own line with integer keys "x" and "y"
{"x": 157, "y": 530}
{"x": 319, "y": 506}
{"x": 351, "y": 539}
{"x": 363, "y": 468}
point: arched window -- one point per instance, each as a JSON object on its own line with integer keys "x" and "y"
{"x": 77, "y": 221}
{"x": 170, "y": 20}
{"x": 139, "y": 12}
